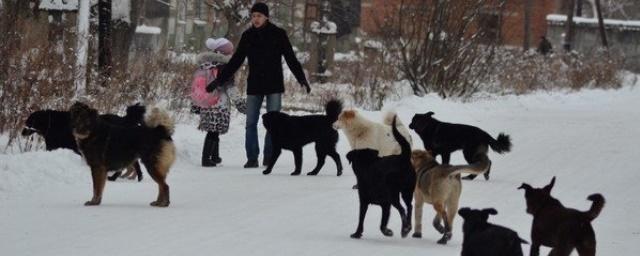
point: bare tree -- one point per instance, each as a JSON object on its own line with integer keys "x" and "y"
{"x": 603, "y": 34}
{"x": 104, "y": 41}
{"x": 440, "y": 44}
{"x": 527, "y": 24}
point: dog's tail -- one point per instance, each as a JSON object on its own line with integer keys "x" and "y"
{"x": 404, "y": 144}
{"x": 333, "y": 108}
{"x": 502, "y": 144}
{"x": 596, "y": 206}
{"x": 160, "y": 118}
{"x": 476, "y": 168}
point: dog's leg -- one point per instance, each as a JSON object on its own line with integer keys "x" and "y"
{"x": 385, "y": 220}
{"x": 407, "y": 197}
{"x": 468, "y": 156}
{"x": 321, "y": 154}
{"x": 439, "y": 217}
{"x": 297, "y": 159}
{"x": 417, "y": 228}
{"x": 129, "y": 172}
{"x": 446, "y": 157}
{"x": 277, "y": 150}
{"x": 447, "y": 225}
{"x": 99, "y": 176}
{"x": 587, "y": 249}
{"x": 159, "y": 177}
{"x": 404, "y": 229}
{"x": 136, "y": 165}
{"x": 363, "y": 212}
{"x": 115, "y": 176}
{"x": 336, "y": 158}
{"x": 534, "y": 250}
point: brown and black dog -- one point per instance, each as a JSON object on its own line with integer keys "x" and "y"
{"x": 440, "y": 186}
{"x": 561, "y": 228}
{"x": 107, "y": 147}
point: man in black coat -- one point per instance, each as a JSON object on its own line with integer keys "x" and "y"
{"x": 263, "y": 44}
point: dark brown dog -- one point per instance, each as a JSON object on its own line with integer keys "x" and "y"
{"x": 559, "y": 227}
{"x": 107, "y": 147}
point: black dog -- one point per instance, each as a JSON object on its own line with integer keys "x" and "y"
{"x": 54, "y": 127}
{"x": 293, "y": 132}
{"x": 382, "y": 180}
{"x": 485, "y": 239}
{"x": 444, "y": 138}
{"x": 108, "y": 147}
{"x": 561, "y": 228}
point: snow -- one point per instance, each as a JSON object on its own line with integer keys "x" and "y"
{"x": 625, "y": 24}
{"x": 587, "y": 139}
{"x": 324, "y": 27}
{"x": 144, "y": 29}
{"x": 60, "y": 5}
{"x": 120, "y": 10}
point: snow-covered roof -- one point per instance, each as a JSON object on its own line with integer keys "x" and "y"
{"x": 59, "y": 5}
{"x": 609, "y": 23}
{"x": 327, "y": 27}
{"x": 144, "y": 29}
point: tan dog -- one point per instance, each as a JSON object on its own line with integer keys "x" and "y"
{"x": 440, "y": 186}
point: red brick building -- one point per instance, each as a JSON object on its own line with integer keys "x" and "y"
{"x": 511, "y": 27}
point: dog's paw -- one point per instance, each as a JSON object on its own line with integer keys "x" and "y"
{"x": 469, "y": 177}
{"x": 113, "y": 178}
{"x": 159, "y": 203}
{"x": 295, "y": 173}
{"x": 445, "y": 238}
{"x": 386, "y": 232}
{"x": 405, "y": 231}
{"x": 267, "y": 171}
{"x": 339, "y": 173}
{"x": 356, "y": 235}
{"x": 355, "y": 186}
{"x": 417, "y": 235}
{"x": 92, "y": 203}
{"x": 486, "y": 175}
{"x": 313, "y": 173}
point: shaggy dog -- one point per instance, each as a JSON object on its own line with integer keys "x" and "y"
{"x": 294, "y": 132}
{"x": 54, "y": 127}
{"x": 440, "y": 186}
{"x": 486, "y": 239}
{"x": 444, "y": 138}
{"x": 108, "y": 147}
{"x": 381, "y": 181}
{"x": 363, "y": 133}
{"x": 559, "y": 227}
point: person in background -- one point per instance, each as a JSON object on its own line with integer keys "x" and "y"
{"x": 263, "y": 44}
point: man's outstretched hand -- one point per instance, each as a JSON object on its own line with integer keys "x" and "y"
{"x": 305, "y": 85}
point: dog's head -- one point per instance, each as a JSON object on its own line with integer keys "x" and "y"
{"x": 83, "y": 119}
{"x": 420, "y": 158}
{"x": 135, "y": 113}
{"x": 362, "y": 159}
{"x": 536, "y": 197}
{"x": 270, "y": 120}
{"x": 345, "y": 118}
{"x": 423, "y": 122}
{"x": 475, "y": 218}
{"x": 37, "y": 122}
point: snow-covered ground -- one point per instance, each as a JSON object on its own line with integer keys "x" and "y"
{"x": 589, "y": 140}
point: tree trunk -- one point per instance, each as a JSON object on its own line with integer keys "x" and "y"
{"x": 104, "y": 41}
{"x": 527, "y": 24}
{"x": 568, "y": 40}
{"x": 123, "y": 34}
{"x": 10, "y": 31}
{"x": 579, "y": 8}
{"x": 603, "y": 34}
{"x": 82, "y": 48}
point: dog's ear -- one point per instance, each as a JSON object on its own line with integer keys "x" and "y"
{"x": 464, "y": 212}
{"x": 350, "y": 156}
{"x": 429, "y": 114}
{"x": 525, "y": 186}
{"x": 490, "y": 211}
{"x": 548, "y": 187}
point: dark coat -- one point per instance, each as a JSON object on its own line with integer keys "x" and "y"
{"x": 264, "y": 48}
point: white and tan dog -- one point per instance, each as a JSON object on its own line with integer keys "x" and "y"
{"x": 363, "y": 133}
{"x": 440, "y": 186}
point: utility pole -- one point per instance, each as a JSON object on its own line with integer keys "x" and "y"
{"x": 603, "y": 34}
{"x": 568, "y": 39}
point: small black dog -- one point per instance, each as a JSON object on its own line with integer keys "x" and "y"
{"x": 294, "y": 132}
{"x": 561, "y": 228}
{"x": 54, "y": 127}
{"x": 109, "y": 147}
{"x": 444, "y": 138}
{"x": 485, "y": 239}
{"x": 382, "y": 180}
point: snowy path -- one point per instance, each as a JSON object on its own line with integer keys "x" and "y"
{"x": 589, "y": 140}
